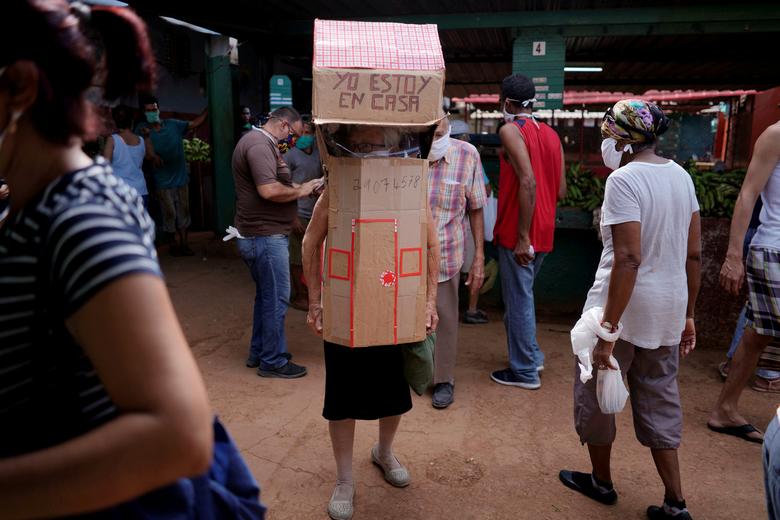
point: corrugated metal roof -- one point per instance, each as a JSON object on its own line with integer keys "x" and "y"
{"x": 478, "y": 59}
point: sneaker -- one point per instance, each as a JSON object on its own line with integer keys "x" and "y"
{"x": 586, "y": 484}
{"x": 540, "y": 368}
{"x": 668, "y": 511}
{"x": 288, "y": 371}
{"x": 443, "y": 395}
{"x": 475, "y": 318}
{"x": 506, "y": 377}
{"x": 253, "y": 362}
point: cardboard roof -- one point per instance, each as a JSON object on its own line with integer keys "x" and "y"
{"x": 376, "y": 45}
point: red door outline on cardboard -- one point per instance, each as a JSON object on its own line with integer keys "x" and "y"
{"x": 386, "y": 278}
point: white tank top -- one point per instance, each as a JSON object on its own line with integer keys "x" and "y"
{"x": 768, "y": 234}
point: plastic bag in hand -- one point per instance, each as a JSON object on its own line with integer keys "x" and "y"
{"x": 585, "y": 335}
{"x": 610, "y": 389}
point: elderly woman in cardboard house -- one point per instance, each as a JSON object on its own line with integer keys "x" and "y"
{"x": 363, "y": 383}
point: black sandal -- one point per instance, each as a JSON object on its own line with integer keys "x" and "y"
{"x": 742, "y": 431}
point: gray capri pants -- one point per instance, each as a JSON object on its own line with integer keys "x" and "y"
{"x": 655, "y": 399}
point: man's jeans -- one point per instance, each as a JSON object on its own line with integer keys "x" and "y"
{"x": 267, "y": 258}
{"x": 772, "y": 468}
{"x": 517, "y": 289}
{"x": 741, "y": 322}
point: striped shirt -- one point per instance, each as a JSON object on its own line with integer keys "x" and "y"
{"x": 455, "y": 185}
{"x": 84, "y": 231}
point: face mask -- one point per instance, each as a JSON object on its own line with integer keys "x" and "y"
{"x": 611, "y": 156}
{"x": 304, "y": 142}
{"x": 439, "y": 147}
{"x": 152, "y": 117}
{"x": 508, "y": 116}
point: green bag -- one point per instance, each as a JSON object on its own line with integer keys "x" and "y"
{"x": 418, "y": 363}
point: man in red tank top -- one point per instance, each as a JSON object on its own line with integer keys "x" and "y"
{"x": 531, "y": 182}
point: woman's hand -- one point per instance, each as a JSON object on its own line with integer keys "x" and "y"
{"x": 688, "y": 338}
{"x": 732, "y": 274}
{"x": 601, "y": 355}
{"x": 431, "y": 317}
{"x": 314, "y": 318}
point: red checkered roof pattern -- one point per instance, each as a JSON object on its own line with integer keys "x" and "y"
{"x": 376, "y": 45}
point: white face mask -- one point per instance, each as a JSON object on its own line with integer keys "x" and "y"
{"x": 439, "y": 147}
{"x": 509, "y": 116}
{"x": 611, "y": 155}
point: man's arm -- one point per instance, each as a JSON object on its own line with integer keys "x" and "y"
{"x": 563, "y": 189}
{"x": 477, "y": 272}
{"x": 434, "y": 256}
{"x": 766, "y": 155}
{"x": 311, "y": 252}
{"x": 278, "y": 192}
{"x": 517, "y": 154}
{"x": 199, "y": 120}
{"x": 263, "y": 161}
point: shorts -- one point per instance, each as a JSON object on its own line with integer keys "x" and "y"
{"x": 175, "y": 208}
{"x": 763, "y": 278}
{"x": 296, "y": 243}
{"x": 655, "y": 399}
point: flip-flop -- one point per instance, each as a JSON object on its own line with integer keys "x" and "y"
{"x": 742, "y": 431}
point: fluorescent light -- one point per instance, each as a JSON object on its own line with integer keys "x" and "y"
{"x": 583, "y": 69}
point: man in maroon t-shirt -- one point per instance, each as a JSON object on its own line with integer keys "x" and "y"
{"x": 531, "y": 182}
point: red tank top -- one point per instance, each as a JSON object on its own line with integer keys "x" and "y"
{"x": 544, "y": 149}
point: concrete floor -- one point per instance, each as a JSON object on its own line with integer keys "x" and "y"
{"x": 494, "y": 454}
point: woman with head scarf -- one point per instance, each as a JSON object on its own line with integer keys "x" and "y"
{"x": 645, "y": 287}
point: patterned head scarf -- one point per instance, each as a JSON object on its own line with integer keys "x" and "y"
{"x": 632, "y": 121}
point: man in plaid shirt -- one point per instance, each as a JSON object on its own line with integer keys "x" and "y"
{"x": 455, "y": 189}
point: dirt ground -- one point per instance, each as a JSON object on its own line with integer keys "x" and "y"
{"x": 494, "y": 454}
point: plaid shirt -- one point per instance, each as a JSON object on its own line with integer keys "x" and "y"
{"x": 455, "y": 186}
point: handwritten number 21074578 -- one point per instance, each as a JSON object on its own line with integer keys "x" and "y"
{"x": 386, "y": 184}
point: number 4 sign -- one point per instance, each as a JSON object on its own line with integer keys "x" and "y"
{"x": 539, "y": 49}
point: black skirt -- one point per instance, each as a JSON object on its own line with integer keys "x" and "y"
{"x": 365, "y": 383}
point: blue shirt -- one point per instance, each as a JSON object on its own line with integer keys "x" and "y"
{"x": 169, "y": 146}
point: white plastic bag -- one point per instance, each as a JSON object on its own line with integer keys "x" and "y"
{"x": 584, "y": 337}
{"x": 610, "y": 389}
{"x": 489, "y": 215}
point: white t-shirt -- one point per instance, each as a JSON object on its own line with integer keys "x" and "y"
{"x": 661, "y": 197}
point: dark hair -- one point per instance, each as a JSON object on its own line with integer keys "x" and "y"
{"x": 49, "y": 34}
{"x": 123, "y": 116}
{"x": 518, "y": 88}
{"x": 289, "y": 114}
{"x": 147, "y": 99}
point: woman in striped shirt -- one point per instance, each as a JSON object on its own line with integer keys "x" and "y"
{"x": 100, "y": 398}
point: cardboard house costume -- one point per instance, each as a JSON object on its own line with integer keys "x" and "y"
{"x": 374, "y": 259}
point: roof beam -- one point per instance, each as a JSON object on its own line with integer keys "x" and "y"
{"x": 599, "y": 22}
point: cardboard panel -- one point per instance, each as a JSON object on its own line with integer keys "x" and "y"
{"x": 386, "y": 97}
{"x": 375, "y": 287}
{"x": 370, "y": 309}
